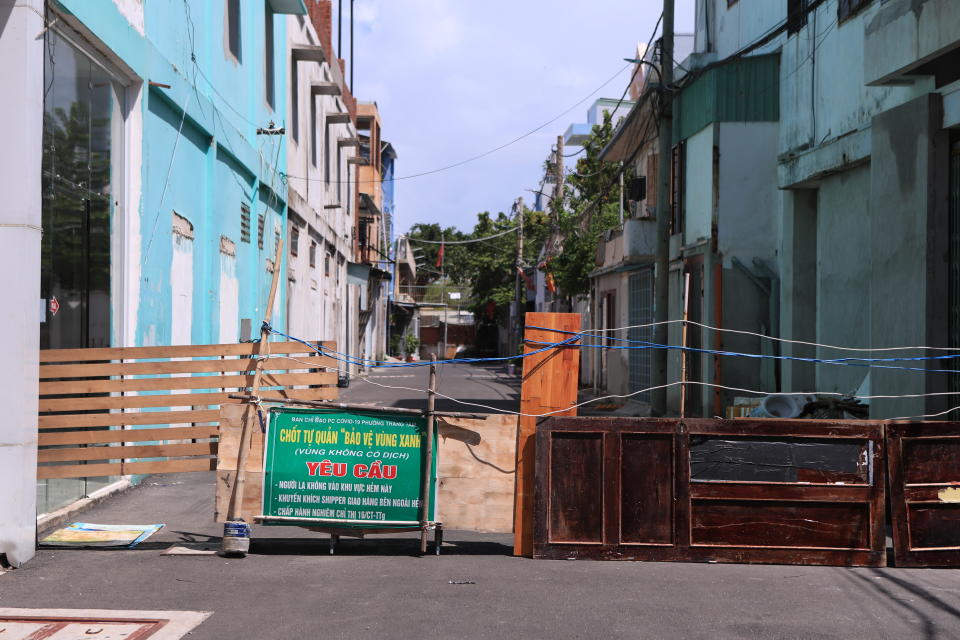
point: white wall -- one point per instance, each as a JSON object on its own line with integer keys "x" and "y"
{"x": 315, "y": 311}
{"x": 698, "y": 187}
{"x": 749, "y": 203}
{"x": 21, "y": 58}
{"x": 822, "y": 90}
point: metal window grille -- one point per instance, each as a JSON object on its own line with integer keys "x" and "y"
{"x": 244, "y": 222}
{"x": 261, "y": 223}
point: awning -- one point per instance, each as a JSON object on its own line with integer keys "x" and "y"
{"x": 358, "y": 273}
{"x": 293, "y": 7}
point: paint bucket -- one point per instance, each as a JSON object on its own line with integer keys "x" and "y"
{"x": 236, "y": 538}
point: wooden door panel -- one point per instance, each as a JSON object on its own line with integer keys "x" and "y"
{"x": 761, "y": 523}
{"x": 646, "y": 488}
{"x": 924, "y": 472}
{"x": 576, "y": 487}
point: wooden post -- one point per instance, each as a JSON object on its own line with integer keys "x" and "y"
{"x": 550, "y": 382}
{"x": 428, "y": 454}
{"x": 683, "y": 344}
{"x": 236, "y": 502}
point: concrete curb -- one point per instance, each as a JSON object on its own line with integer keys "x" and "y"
{"x": 55, "y": 519}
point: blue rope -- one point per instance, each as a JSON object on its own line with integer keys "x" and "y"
{"x": 848, "y": 362}
{"x": 379, "y": 364}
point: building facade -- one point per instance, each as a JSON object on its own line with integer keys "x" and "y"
{"x": 322, "y": 141}
{"x": 869, "y": 173}
{"x": 158, "y": 164}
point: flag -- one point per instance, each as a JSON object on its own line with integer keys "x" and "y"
{"x": 440, "y": 256}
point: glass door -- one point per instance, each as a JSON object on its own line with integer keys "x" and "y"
{"x": 80, "y": 103}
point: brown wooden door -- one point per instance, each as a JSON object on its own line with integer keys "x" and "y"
{"x": 924, "y": 471}
{"x": 758, "y": 491}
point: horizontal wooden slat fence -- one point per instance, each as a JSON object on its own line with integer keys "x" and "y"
{"x": 137, "y": 410}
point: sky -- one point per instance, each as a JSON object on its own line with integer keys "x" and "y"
{"x": 456, "y": 78}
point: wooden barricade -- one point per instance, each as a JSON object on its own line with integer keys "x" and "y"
{"x": 550, "y": 382}
{"x": 805, "y": 492}
{"x": 138, "y": 410}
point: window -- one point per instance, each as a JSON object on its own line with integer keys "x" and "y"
{"x": 797, "y": 11}
{"x": 294, "y": 241}
{"x": 269, "y": 83}
{"x": 313, "y": 254}
{"x": 326, "y": 154}
{"x": 847, "y": 8}
{"x": 234, "y": 43}
{"x": 261, "y": 222}
{"x": 326, "y": 264}
{"x": 244, "y": 222}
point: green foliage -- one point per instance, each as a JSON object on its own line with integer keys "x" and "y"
{"x": 411, "y": 342}
{"x": 590, "y": 207}
{"x": 488, "y": 268}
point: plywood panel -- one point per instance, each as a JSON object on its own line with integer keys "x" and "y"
{"x": 181, "y": 351}
{"x": 140, "y": 451}
{"x": 174, "y": 400}
{"x": 211, "y": 381}
{"x": 127, "y": 418}
{"x": 230, "y": 364}
{"x": 126, "y": 435}
{"x": 124, "y": 468}
{"x": 477, "y": 474}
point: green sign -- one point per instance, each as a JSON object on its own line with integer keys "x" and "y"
{"x": 345, "y": 468}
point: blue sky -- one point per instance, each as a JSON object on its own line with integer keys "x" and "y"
{"x": 455, "y": 78}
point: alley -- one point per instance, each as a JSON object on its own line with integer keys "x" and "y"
{"x": 290, "y": 587}
{"x": 480, "y": 383}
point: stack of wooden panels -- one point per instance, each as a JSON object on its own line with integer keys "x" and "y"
{"x": 136, "y": 410}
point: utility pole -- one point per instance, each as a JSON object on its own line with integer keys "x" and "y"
{"x": 662, "y": 282}
{"x": 517, "y": 330}
{"x": 443, "y": 291}
{"x": 557, "y": 201}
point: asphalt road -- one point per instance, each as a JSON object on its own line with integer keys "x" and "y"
{"x": 290, "y": 587}
{"x": 473, "y": 383}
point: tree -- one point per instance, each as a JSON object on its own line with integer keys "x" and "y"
{"x": 591, "y": 208}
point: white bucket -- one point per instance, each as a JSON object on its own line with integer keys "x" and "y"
{"x": 781, "y": 406}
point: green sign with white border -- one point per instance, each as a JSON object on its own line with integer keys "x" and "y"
{"x": 345, "y": 468}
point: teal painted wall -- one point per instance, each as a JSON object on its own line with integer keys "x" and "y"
{"x": 201, "y": 156}
{"x": 747, "y": 90}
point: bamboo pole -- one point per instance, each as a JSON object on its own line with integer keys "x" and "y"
{"x": 683, "y": 343}
{"x": 236, "y": 501}
{"x": 428, "y": 454}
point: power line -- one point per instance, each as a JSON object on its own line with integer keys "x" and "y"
{"x": 488, "y": 152}
{"x": 471, "y": 241}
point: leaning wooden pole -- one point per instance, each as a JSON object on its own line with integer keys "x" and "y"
{"x": 250, "y": 417}
{"x": 425, "y": 494}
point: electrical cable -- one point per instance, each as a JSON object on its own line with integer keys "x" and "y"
{"x": 488, "y": 152}
{"x": 766, "y": 337}
{"x": 471, "y": 241}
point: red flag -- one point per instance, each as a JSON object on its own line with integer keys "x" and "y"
{"x": 440, "y": 256}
